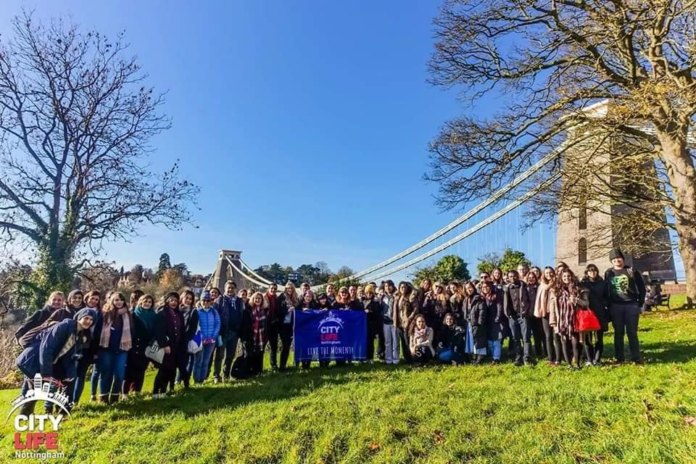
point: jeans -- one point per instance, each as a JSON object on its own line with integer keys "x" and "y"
{"x": 624, "y": 318}
{"x": 405, "y": 345}
{"x": 81, "y": 378}
{"x": 228, "y": 350}
{"x": 391, "y": 344}
{"x": 495, "y": 348}
{"x": 201, "y": 363}
{"x": 521, "y": 329}
{"x": 112, "y": 368}
{"x": 94, "y": 380}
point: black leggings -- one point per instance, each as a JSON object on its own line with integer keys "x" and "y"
{"x": 593, "y": 352}
{"x": 574, "y": 340}
{"x": 164, "y": 377}
{"x": 286, "y": 340}
{"x": 553, "y": 342}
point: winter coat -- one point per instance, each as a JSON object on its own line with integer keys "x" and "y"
{"x": 373, "y": 308}
{"x": 190, "y": 323}
{"x": 452, "y": 338}
{"x": 516, "y": 301}
{"x": 171, "y": 333}
{"x": 475, "y": 311}
{"x": 354, "y": 305}
{"x": 230, "y": 310}
{"x": 495, "y": 318}
{"x": 404, "y": 312}
{"x": 273, "y": 309}
{"x": 141, "y": 335}
{"x": 209, "y": 321}
{"x": 531, "y": 291}
{"x": 546, "y": 304}
{"x": 434, "y": 310}
{"x": 42, "y": 355}
{"x": 34, "y": 321}
{"x": 598, "y": 299}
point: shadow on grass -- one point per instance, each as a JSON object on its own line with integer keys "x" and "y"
{"x": 268, "y": 387}
{"x": 669, "y": 352}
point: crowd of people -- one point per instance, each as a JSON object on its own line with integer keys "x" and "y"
{"x": 538, "y": 313}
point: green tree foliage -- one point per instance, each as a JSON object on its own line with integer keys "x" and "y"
{"x": 507, "y": 262}
{"x": 164, "y": 263}
{"x": 448, "y": 268}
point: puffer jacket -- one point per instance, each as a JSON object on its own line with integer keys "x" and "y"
{"x": 209, "y": 320}
{"x": 475, "y": 310}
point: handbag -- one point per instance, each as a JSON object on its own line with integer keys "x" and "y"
{"x": 586, "y": 321}
{"x": 154, "y": 352}
{"x": 196, "y": 344}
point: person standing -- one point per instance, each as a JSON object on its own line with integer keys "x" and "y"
{"x": 569, "y": 299}
{"x": 209, "y": 321}
{"x": 92, "y": 301}
{"x": 171, "y": 336}
{"x": 54, "y": 303}
{"x": 114, "y": 330}
{"x": 516, "y": 306}
{"x": 273, "y": 323}
{"x": 532, "y": 287}
{"x": 256, "y": 333}
{"x": 596, "y": 286}
{"x": 307, "y": 303}
{"x": 476, "y": 336}
{"x": 546, "y": 309}
{"x": 287, "y": 302}
{"x": 375, "y": 321}
{"x": 391, "y": 336}
{"x": 144, "y": 329}
{"x": 230, "y": 309}
{"x": 405, "y": 311}
{"x": 190, "y": 315}
{"x": 494, "y": 319}
{"x": 625, "y": 296}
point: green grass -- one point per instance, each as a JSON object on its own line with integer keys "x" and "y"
{"x": 619, "y": 414}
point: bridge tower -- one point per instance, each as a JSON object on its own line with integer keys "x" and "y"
{"x": 587, "y": 233}
{"x": 225, "y": 272}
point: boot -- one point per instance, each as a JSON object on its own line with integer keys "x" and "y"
{"x": 104, "y": 399}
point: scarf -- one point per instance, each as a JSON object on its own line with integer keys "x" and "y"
{"x": 126, "y": 342}
{"x": 258, "y": 316}
{"x": 148, "y": 317}
{"x": 420, "y": 334}
{"x": 566, "y": 314}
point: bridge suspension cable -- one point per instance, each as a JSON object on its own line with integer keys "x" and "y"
{"x": 471, "y": 230}
{"x": 251, "y": 271}
{"x": 468, "y": 215}
{"x": 250, "y": 279}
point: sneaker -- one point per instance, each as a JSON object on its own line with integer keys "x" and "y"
{"x": 588, "y": 364}
{"x": 216, "y": 379}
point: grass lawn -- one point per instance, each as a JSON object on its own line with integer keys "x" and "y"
{"x": 402, "y": 414}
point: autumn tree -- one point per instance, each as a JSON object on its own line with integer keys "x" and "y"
{"x": 552, "y": 62}
{"x": 76, "y": 121}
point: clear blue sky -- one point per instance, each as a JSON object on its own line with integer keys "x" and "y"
{"x": 305, "y": 123}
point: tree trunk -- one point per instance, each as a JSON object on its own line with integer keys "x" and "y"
{"x": 52, "y": 273}
{"x": 682, "y": 178}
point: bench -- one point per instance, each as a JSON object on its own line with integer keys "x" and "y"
{"x": 664, "y": 300}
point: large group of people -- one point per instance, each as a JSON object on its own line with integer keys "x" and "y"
{"x": 535, "y": 313}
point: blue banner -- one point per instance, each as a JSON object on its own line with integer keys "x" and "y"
{"x": 330, "y": 335}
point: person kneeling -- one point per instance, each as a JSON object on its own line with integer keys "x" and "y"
{"x": 450, "y": 342}
{"x": 421, "y": 341}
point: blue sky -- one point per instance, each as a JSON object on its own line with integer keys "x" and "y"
{"x": 305, "y": 123}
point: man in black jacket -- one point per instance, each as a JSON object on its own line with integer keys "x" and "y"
{"x": 626, "y": 295}
{"x": 516, "y": 306}
{"x": 230, "y": 308}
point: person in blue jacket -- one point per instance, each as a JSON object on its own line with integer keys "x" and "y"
{"x": 54, "y": 353}
{"x": 209, "y": 321}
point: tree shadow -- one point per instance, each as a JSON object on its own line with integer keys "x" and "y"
{"x": 267, "y": 387}
{"x": 666, "y": 352}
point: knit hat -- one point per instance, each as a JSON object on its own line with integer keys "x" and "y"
{"x": 616, "y": 253}
{"x": 205, "y": 296}
{"x": 85, "y": 312}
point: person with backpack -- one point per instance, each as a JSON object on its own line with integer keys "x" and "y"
{"x": 54, "y": 353}
{"x": 114, "y": 331}
{"x": 144, "y": 329}
{"x": 625, "y": 296}
{"x": 209, "y": 321}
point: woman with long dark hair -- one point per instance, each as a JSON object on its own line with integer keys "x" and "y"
{"x": 568, "y": 296}
{"x": 144, "y": 329}
{"x": 188, "y": 311}
{"x": 171, "y": 336}
{"x": 546, "y": 309}
{"x": 287, "y": 303}
{"x": 421, "y": 341}
{"x": 495, "y": 328}
{"x": 257, "y": 335}
{"x": 475, "y": 310}
{"x": 596, "y": 286}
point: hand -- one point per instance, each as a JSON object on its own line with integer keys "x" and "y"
{"x": 167, "y": 350}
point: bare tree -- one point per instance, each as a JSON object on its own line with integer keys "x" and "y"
{"x": 76, "y": 120}
{"x": 552, "y": 60}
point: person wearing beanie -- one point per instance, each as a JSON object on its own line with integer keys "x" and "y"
{"x": 54, "y": 353}
{"x": 209, "y": 321}
{"x": 625, "y": 297}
